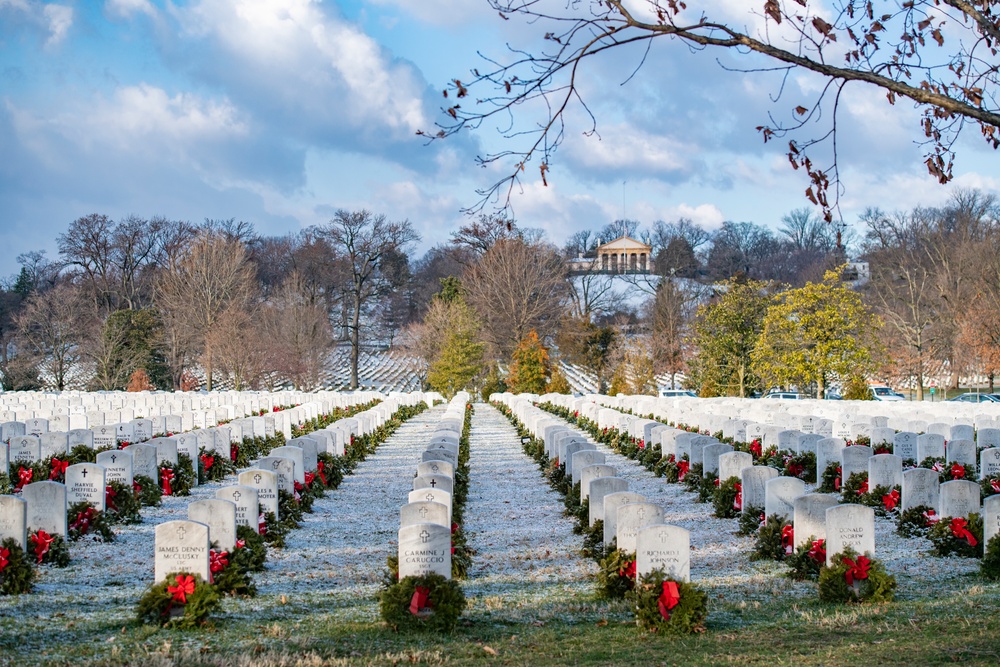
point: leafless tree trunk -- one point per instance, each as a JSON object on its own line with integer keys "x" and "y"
{"x": 52, "y": 327}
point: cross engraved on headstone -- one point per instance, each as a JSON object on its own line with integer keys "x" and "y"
{"x": 434, "y": 468}
{"x": 425, "y": 536}
{"x": 429, "y": 497}
{"x": 114, "y": 457}
{"x": 433, "y": 483}
{"x": 641, "y": 513}
{"x": 181, "y": 532}
{"x": 236, "y": 496}
{"x": 84, "y": 473}
{"x": 275, "y": 464}
{"x": 664, "y": 538}
{"x": 256, "y": 478}
{"x": 422, "y": 512}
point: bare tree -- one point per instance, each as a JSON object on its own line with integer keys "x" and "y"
{"x": 298, "y": 333}
{"x": 903, "y": 48}
{"x": 480, "y": 235}
{"x": 669, "y": 315}
{"x": 52, "y": 327}
{"x": 365, "y": 241}
{"x": 211, "y": 277}
{"x": 516, "y": 287}
{"x": 242, "y": 359}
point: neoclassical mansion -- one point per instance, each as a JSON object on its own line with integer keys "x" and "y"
{"x": 623, "y": 255}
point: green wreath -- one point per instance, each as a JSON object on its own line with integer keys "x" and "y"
{"x": 49, "y": 549}
{"x": 692, "y": 480}
{"x": 593, "y": 541}
{"x": 275, "y": 531}
{"x": 428, "y": 602}
{"x": 666, "y": 605}
{"x": 84, "y": 520}
{"x": 750, "y": 520}
{"x": 914, "y": 522}
{"x": 990, "y": 567}
{"x": 830, "y": 481}
{"x": 724, "y": 499}
{"x": 254, "y": 551}
{"x": 706, "y": 486}
{"x": 122, "y": 504}
{"x": 958, "y": 537}
{"x": 333, "y": 471}
{"x": 843, "y": 582}
{"x": 182, "y": 600}
{"x": 213, "y": 467}
{"x": 807, "y": 560}
{"x": 854, "y": 488}
{"x": 802, "y": 466}
{"x": 233, "y": 574}
{"x": 770, "y": 544}
{"x": 150, "y": 493}
{"x": 16, "y": 571}
{"x": 616, "y": 576}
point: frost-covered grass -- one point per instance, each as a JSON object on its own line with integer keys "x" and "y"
{"x": 531, "y": 597}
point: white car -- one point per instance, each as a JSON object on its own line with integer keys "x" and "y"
{"x": 883, "y": 393}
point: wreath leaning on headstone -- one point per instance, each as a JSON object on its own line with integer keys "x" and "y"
{"x": 616, "y": 576}
{"x": 990, "y": 567}
{"x": 16, "y": 572}
{"x": 666, "y": 605}
{"x": 855, "y": 578}
{"x": 958, "y": 536}
{"x": 428, "y": 602}
{"x": 182, "y": 600}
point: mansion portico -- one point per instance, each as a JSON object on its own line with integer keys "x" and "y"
{"x": 623, "y": 255}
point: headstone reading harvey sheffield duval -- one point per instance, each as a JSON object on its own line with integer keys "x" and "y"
{"x": 424, "y": 548}
{"x": 14, "y": 520}
{"x": 85, "y": 482}
{"x": 664, "y": 547}
{"x": 849, "y": 526}
{"x": 181, "y": 546}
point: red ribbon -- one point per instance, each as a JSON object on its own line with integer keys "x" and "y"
{"x": 207, "y": 461}
{"x": 217, "y": 561}
{"x": 891, "y": 500}
{"x": 136, "y": 488}
{"x": 836, "y": 482}
{"x": 310, "y": 477}
{"x": 628, "y": 571}
{"x": 818, "y": 551}
{"x": 682, "y": 470}
{"x": 788, "y": 538}
{"x": 261, "y": 524}
{"x": 756, "y": 449}
{"x": 642, "y": 444}
{"x": 240, "y": 544}
{"x": 738, "y": 500}
{"x": 420, "y": 600}
{"x": 669, "y": 598}
{"x": 957, "y": 471}
{"x": 995, "y": 484}
{"x": 109, "y": 498}
{"x": 864, "y": 488}
{"x": 58, "y": 468}
{"x": 4, "y": 559}
{"x": 234, "y": 452}
{"x": 319, "y": 471}
{"x": 83, "y": 520}
{"x": 166, "y": 474}
{"x": 42, "y": 541}
{"x": 24, "y": 476}
{"x": 959, "y": 530}
{"x": 937, "y": 467}
{"x": 184, "y": 588}
{"x": 931, "y": 517}
{"x": 795, "y": 469}
{"x": 856, "y": 569}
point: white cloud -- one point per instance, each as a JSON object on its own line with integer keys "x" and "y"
{"x": 55, "y": 20}
{"x": 129, "y": 8}
{"x": 60, "y": 19}
{"x": 440, "y": 12}
{"x": 627, "y": 149}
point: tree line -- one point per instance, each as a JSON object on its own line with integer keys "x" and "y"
{"x": 157, "y": 303}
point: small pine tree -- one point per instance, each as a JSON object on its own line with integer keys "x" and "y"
{"x": 619, "y": 381}
{"x": 460, "y": 361}
{"x": 139, "y": 381}
{"x": 558, "y": 384}
{"x": 493, "y": 384}
{"x": 529, "y": 369}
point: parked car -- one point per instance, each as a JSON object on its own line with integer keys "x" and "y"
{"x": 786, "y": 395}
{"x": 975, "y": 398}
{"x": 883, "y": 393}
{"x": 676, "y": 393}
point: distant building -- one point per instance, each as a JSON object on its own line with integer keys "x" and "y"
{"x": 623, "y": 255}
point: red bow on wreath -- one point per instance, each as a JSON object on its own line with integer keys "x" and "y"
{"x": 421, "y": 600}
{"x": 931, "y": 517}
{"x": 836, "y": 481}
{"x": 937, "y": 467}
{"x": 891, "y": 500}
{"x": 217, "y": 561}
{"x": 756, "y": 449}
{"x": 957, "y": 471}
{"x": 788, "y": 539}
{"x": 669, "y": 598}
{"x": 58, "y": 468}
{"x": 184, "y": 588}
{"x": 42, "y": 542}
{"x": 818, "y": 551}
{"x": 166, "y": 474}
{"x": 240, "y": 544}
{"x": 297, "y": 487}
{"x": 864, "y": 488}
{"x": 136, "y": 488}
{"x": 795, "y": 469}
{"x": 628, "y": 570}
{"x": 996, "y": 485}
{"x": 856, "y": 569}
{"x": 207, "y": 461}
{"x": 738, "y": 500}
{"x": 24, "y": 476}
{"x": 682, "y": 470}
{"x": 310, "y": 478}
{"x": 83, "y": 520}
{"x": 319, "y": 471}
{"x": 4, "y": 559}
{"x": 234, "y": 452}
{"x": 261, "y": 524}
{"x": 959, "y": 530}
{"x": 642, "y": 444}
{"x": 109, "y": 498}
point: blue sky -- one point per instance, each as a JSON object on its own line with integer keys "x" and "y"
{"x": 280, "y": 112}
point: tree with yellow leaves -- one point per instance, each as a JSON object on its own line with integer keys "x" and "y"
{"x": 529, "y": 369}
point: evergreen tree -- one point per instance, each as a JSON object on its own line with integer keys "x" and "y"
{"x": 460, "y": 358}
{"x": 558, "y": 384}
{"x": 529, "y": 369}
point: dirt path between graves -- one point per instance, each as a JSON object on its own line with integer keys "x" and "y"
{"x": 526, "y": 553}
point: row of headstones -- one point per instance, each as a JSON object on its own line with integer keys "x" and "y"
{"x": 636, "y": 525}
{"x": 786, "y": 497}
{"x": 425, "y": 520}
